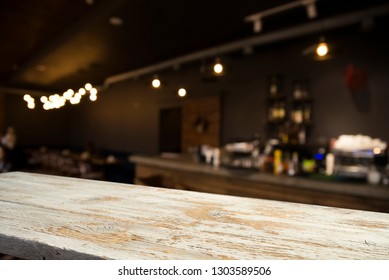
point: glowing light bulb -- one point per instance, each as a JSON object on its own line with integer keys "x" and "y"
{"x": 93, "y": 97}
{"x": 156, "y": 83}
{"x": 82, "y": 91}
{"x": 218, "y": 68}
{"x": 88, "y": 86}
{"x": 31, "y": 105}
{"x": 322, "y": 49}
{"x": 93, "y": 91}
{"x": 62, "y": 100}
{"x": 68, "y": 94}
{"x": 27, "y": 97}
{"x": 377, "y": 151}
{"x": 70, "y": 91}
{"x": 74, "y": 100}
{"x": 182, "y": 92}
{"x": 44, "y": 99}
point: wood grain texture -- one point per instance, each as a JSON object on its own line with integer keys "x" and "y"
{"x": 51, "y": 217}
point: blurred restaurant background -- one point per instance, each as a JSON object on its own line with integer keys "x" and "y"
{"x": 285, "y": 89}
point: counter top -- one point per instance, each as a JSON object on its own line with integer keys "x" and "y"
{"x": 182, "y": 163}
{"x": 52, "y": 217}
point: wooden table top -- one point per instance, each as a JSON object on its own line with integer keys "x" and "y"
{"x": 51, "y": 217}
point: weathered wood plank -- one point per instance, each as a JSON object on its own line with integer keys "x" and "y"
{"x": 55, "y": 217}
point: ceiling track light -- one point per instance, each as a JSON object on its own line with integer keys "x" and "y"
{"x": 257, "y": 27}
{"x": 248, "y": 50}
{"x": 256, "y": 19}
{"x": 311, "y": 9}
{"x": 306, "y": 29}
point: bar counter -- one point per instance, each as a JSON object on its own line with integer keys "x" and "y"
{"x": 183, "y": 173}
{"x": 52, "y": 217}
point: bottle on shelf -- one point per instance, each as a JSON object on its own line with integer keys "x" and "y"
{"x": 297, "y": 91}
{"x": 307, "y": 114}
{"x": 278, "y": 166}
{"x": 293, "y": 166}
{"x": 301, "y": 136}
{"x": 300, "y": 90}
{"x": 297, "y": 115}
{"x": 330, "y": 163}
{"x": 275, "y": 86}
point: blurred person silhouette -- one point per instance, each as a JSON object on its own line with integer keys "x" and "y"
{"x": 8, "y": 141}
{"x": 9, "y": 138}
{"x": 5, "y": 165}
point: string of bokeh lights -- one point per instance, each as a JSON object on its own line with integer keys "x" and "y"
{"x": 56, "y": 101}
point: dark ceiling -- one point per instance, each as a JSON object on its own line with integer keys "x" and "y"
{"x": 54, "y": 45}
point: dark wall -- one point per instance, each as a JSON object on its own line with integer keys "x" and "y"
{"x": 125, "y": 117}
{"x": 36, "y": 127}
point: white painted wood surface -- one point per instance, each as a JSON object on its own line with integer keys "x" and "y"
{"x": 50, "y": 217}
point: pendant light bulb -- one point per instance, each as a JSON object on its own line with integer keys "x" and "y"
{"x": 27, "y": 97}
{"x": 182, "y": 92}
{"x": 156, "y": 82}
{"x": 322, "y": 48}
{"x": 31, "y": 105}
{"x": 88, "y": 86}
{"x": 93, "y": 91}
{"x": 218, "y": 67}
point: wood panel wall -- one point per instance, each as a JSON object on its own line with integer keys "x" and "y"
{"x": 201, "y": 119}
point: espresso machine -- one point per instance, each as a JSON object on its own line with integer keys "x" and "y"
{"x": 355, "y": 155}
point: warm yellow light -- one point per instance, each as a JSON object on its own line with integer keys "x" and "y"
{"x": 44, "y": 99}
{"x": 156, "y": 83}
{"x": 70, "y": 91}
{"x": 62, "y": 100}
{"x": 93, "y": 97}
{"x": 82, "y": 91}
{"x": 93, "y": 91}
{"x": 27, "y": 97}
{"x": 182, "y": 92}
{"x": 46, "y": 106}
{"x": 31, "y": 105}
{"x": 377, "y": 151}
{"x": 88, "y": 86}
{"x": 322, "y": 49}
{"x": 218, "y": 68}
{"x": 74, "y": 100}
{"x": 68, "y": 94}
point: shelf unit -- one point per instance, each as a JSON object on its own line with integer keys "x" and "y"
{"x": 289, "y": 116}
